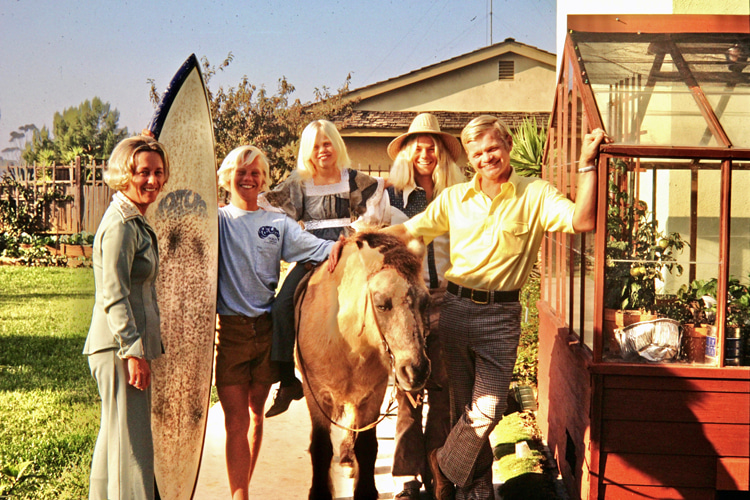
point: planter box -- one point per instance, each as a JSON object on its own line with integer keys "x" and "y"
{"x": 72, "y": 251}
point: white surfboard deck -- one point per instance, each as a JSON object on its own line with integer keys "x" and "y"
{"x": 185, "y": 218}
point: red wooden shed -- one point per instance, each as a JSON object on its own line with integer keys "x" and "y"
{"x": 659, "y": 408}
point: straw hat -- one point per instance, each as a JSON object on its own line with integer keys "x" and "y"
{"x": 425, "y": 123}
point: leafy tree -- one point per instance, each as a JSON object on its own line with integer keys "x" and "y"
{"x": 40, "y": 148}
{"x": 89, "y": 130}
{"x": 246, "y": 114}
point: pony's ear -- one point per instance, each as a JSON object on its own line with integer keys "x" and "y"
{"x": 417, "y": 247}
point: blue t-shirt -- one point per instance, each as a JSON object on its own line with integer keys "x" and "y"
{"x": 251, "y": 246}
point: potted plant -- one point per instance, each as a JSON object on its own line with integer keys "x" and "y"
{"x": 697, "y": 322}
{"x": 738, "y": 315}
{"x": 700, "y": 298}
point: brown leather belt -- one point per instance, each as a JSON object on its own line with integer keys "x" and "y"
{"x": 483, "y": 296}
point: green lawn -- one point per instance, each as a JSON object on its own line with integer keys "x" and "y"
{"x": 49, "y": 405}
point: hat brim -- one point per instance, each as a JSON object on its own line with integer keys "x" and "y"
{"x": 451, "y": 143}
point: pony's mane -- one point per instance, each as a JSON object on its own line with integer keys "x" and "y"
{"x": 395, "y": 253}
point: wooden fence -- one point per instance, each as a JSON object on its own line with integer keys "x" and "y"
{"x": 86, "y": 196}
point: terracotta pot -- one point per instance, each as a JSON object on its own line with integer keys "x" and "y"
{"x": 53, "y": 250}
{"x": 694, "y": 343}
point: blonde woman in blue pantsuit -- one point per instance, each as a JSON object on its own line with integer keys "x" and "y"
{"x": 125, "y": 332}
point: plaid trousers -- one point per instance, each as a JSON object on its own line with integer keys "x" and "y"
{"x": 480, "y": 343}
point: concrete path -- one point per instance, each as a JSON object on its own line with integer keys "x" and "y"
{"x": 283, "y": 470}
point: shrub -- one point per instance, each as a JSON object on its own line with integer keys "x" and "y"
{"x": 22, "y": 219}
{"x": 525, "y": 370}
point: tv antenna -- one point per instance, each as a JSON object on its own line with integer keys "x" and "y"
{"x": 489, "y": 17}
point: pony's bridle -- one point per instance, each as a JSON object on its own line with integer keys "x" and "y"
{"x": 387, "y": 348}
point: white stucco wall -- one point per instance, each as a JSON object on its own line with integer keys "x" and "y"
{"x": 475, "y": 88}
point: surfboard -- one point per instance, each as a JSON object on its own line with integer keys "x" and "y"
{"x": 185, "y": 218}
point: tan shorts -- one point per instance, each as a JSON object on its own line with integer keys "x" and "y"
{"x": 243, "y": 350}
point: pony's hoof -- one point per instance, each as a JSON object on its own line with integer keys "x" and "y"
{"x": 320, "y": 495}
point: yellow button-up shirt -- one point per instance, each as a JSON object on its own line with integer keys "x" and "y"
{"x": 494, "y": 242}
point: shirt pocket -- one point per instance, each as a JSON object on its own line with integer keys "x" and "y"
{"x": 513, "y": 237}
{"x": 266, "y": 262}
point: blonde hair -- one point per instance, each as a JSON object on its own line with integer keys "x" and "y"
{"x": 305, "y": 166}
{"x": 481, "y": 124}
{"x": 446, "y": 173}
{"x": 242, "y": 156}
{"x": 121, "y": 165}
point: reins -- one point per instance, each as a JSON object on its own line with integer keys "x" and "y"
{"x": 304, "y": 370}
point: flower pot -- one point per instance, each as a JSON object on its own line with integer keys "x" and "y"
{"x": 53, "y": 250}
{"x": 694, "y": 343}
{"x": 732, "y": 346}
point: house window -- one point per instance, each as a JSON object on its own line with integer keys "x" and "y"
{"x": 505, "y": 70}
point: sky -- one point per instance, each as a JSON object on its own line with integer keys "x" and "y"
{"x": 55, "y": 54}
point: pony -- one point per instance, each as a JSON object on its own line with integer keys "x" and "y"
{"x": 354, "y": 326}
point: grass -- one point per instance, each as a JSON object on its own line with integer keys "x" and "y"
{"x": 515, "y": 428}
{"x": 49, "y": 405}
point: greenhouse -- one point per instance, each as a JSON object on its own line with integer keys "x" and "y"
{"x": 644, "y": 361}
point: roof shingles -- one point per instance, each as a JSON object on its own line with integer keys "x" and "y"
{"x": 450, "y": 121}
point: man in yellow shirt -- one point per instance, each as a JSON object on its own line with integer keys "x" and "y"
{"x": 496, "y": 224}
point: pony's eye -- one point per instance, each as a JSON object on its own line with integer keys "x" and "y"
{"x": 385, "y": 306}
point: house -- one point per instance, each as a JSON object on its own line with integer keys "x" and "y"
{"x": 509, "y": 79}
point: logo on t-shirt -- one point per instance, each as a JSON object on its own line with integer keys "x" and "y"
{"x": 266, "y": 231}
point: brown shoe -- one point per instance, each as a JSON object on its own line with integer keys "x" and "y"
{"x": 284, "y": 397}
{"x": 444, "y": 488}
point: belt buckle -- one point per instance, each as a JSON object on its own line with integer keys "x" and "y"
{"x": 485, "y": 302}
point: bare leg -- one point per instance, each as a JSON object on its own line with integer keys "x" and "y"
{"x": 241, "y": 449}
{"x": 256, "y": 401}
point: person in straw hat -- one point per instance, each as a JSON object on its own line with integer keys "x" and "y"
{"x": 424, "y": 163}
